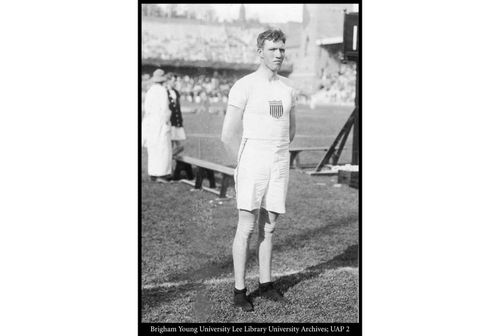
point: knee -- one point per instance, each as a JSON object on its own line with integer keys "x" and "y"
{"x": 245, "y": 228}
{"x": 267, "y": 223}
{"x": 269, "y": 228}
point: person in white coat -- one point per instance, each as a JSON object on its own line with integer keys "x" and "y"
{"x": 156, "y": 129}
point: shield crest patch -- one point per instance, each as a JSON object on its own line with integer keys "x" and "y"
{"x": 276, "y": 108}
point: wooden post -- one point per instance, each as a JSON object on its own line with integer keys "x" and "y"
{"x": 344, "y": 131}
{"x": 189, "y": 171}
{"x": 211, "y": 177}
{"x": 199, "y": 178}
{"x": 355, "y": 133}
{"x": 336, "y": 154}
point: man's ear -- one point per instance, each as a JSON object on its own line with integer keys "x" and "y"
{"x": 259, "y": 52}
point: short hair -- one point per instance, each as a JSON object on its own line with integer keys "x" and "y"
{"x": 270, "y": 35}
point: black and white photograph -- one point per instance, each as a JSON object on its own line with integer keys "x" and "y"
{"x": 260, "y": 169}
{"x": 250, "y": 118}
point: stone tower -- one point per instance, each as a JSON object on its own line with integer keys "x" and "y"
{"x": 242, "y": 16}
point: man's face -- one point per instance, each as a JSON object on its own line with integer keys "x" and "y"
{"x": 167, "y": 83}
{"x": 272, "y": 54}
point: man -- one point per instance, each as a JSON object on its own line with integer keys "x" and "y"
{"x": 177, "y": 131}
{"x": 262, "y": 104}
{"x": 156, "y": 130}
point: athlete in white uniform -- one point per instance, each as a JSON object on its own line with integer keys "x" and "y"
{"x": 262, "y": 104}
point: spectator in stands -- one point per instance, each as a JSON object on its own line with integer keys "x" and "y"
{"x": 178, "y": 135}
{"x": 156, "y": 130}
{"x": 262, "y": 104}
{"x": 337, "y": 88}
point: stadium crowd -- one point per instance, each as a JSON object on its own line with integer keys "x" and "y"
{"x": 175, "y": 40}
{"x": 337, "y": 88}
{"x": 225, "y": 44}
{"x": 172, "y": 35}
{"x": 200, "y": 89}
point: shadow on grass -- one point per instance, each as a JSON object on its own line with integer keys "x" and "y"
{"x": 160, "y": 295}
{"x": 152, "y": 297}
{"x": 349, "y": 258}
{"x": 214, "y": 269}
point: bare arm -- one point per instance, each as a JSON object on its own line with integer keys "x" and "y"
{"x": 231, "y": 131}
{"x": 292, "y": 123}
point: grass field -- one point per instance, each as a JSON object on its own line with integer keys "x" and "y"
{"x": 187, "y": 237}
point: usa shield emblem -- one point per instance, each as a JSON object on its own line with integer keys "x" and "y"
{"x": 276, "y": 108}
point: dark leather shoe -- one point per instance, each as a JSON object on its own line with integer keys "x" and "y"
{"x": 241, "y": 300}
{"x": 267, "y": 290}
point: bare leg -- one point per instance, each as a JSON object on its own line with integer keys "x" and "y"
{"x": 246, "y": 224}
{"x": 177, "y": 147}
{"x": 267, "y": 223}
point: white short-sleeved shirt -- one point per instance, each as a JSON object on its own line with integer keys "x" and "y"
{"x": 266, "y": 105}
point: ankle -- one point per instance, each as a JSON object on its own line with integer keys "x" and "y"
{"x": 265, "y": 285}
{"x": 240, "y": 291}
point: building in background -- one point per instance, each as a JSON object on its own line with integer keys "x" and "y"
{"x": 191, "y": 42}
{"x": 320, "y": 45}
{"x": 202, "y": 50}
{"x": 242, "y": 17}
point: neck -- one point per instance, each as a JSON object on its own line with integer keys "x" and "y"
{"x": 268, "y": 73}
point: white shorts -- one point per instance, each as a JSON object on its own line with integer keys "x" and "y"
{"x": 261, "y": 176}
{"x": 178, "y": 133}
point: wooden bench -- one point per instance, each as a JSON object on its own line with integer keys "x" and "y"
{"x": 294, "y": 154}
{"x": 205, "y": 169}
